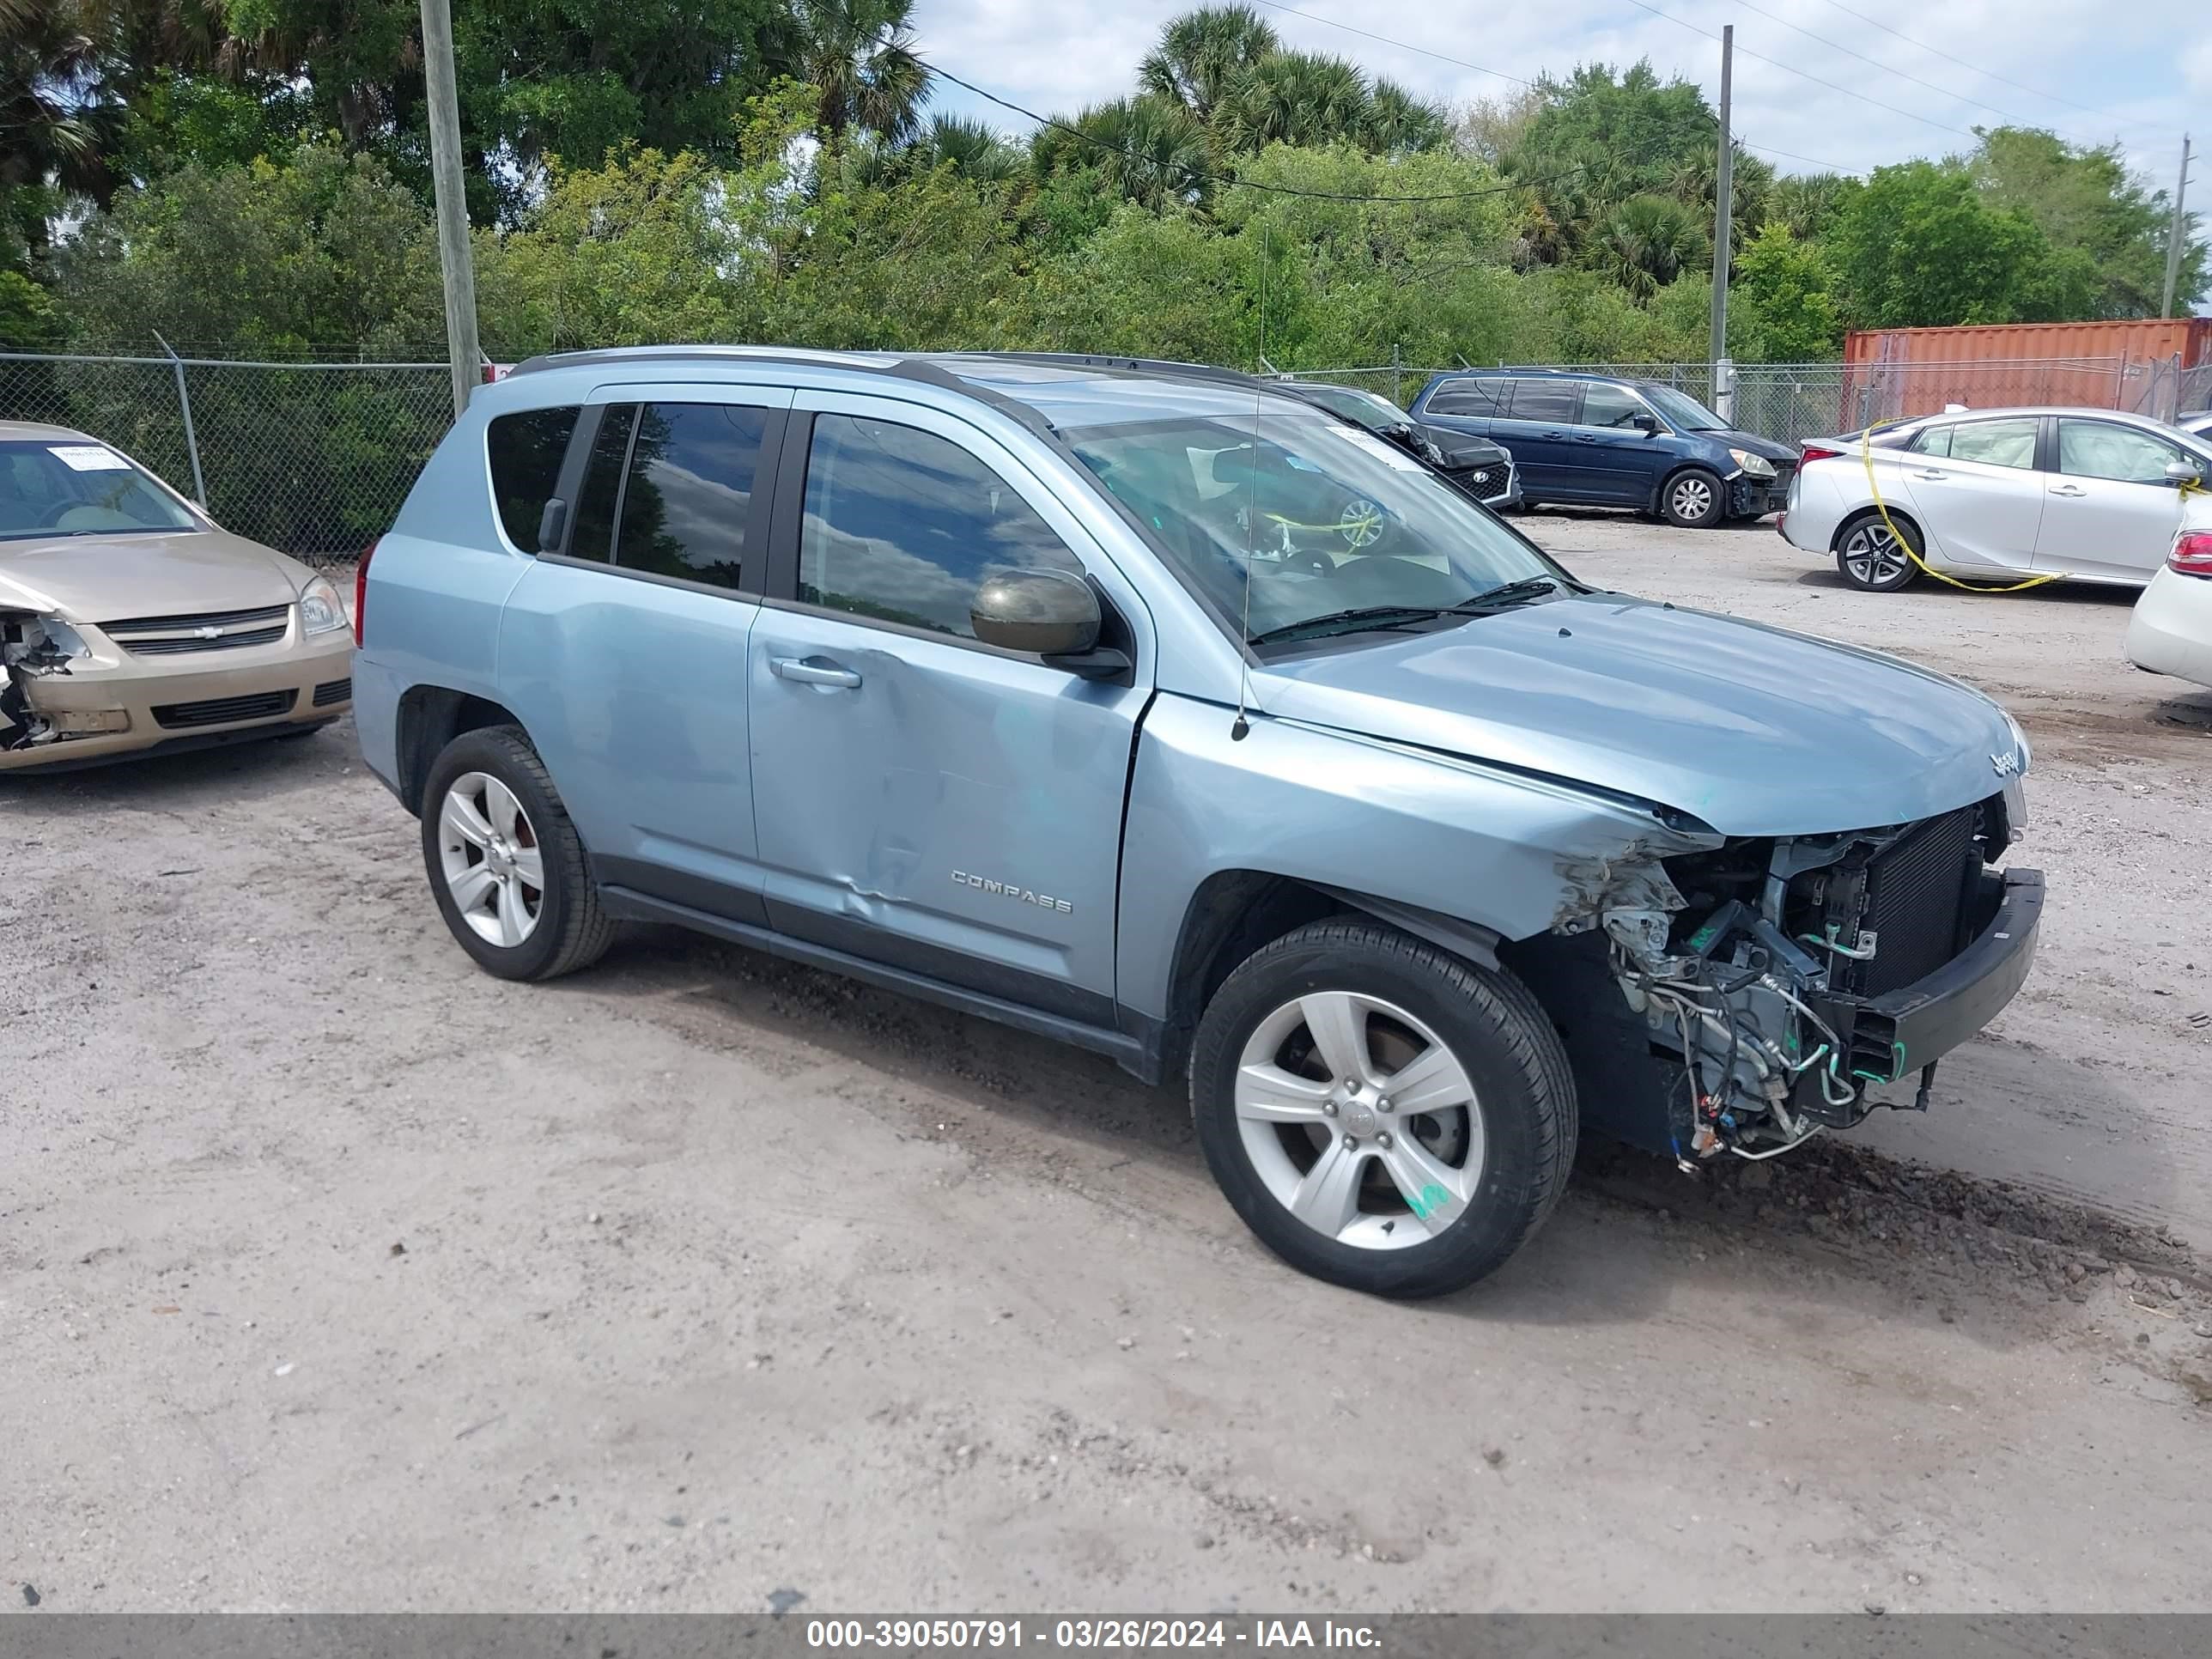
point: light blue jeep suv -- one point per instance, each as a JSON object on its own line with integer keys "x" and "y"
{"x": 1136, "y": 705}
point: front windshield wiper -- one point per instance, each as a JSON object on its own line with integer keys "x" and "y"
{"x": 1520, "y": 593}
{"x": 1347, "y": 622}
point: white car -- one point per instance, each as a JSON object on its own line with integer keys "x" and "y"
{"x": 2170, "y": 631}
{"x": 2001, "y": 496}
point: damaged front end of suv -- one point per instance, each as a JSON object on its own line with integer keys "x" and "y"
{"x": 1766, "y": 985}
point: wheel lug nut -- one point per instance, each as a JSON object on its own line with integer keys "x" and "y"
{"x": 1328, "y": 1108}
{"x": 1351, "y": 1143}
{"x": 1383, "y": 1140}
{"x": 1382, "y": 1105}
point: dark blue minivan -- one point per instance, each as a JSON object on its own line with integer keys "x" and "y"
{"x": 1596, "y": 440}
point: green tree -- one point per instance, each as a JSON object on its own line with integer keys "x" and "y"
{"x": 975, "y": 149}
{"x": 1647, "y": 241}
{"x": 639, "y": 250}
{"x": 60, "y": 119}
{"x": 1202, "y": 54}
{"x": 1917, "y": 244}
{"x": 1147, "y": 150}
{"x": 325, "y": 251}
{"x": 859, "y": 57}
{"x": 1397, "y": 120}
{"x": 2084, "y": 201}
{"x": 1780, "y": 309}
{"x": 1805, "y": 203}
{"x": 1303, "y": 98}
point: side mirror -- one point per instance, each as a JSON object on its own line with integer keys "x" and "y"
{"x": 2180, "y": 472}
{"x": 1647, "y": 424}
{"x": 1047, "y": 612}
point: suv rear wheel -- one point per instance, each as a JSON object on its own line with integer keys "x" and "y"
{"x": 506, "y": 865}
{"x": 1384, "y": 1114}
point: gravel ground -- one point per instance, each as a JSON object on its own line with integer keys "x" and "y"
{"x": 335, "y": 1274}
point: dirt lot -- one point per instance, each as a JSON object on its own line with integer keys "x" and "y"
{"x": 335, "y": 1274}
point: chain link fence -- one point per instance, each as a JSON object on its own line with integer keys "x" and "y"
{"x": 312, "y": 458}
{"x": 1792, "y": 402}
{"x": 315, "y": 458}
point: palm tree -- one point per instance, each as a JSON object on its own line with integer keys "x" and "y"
{"x": 1806, "y": 201}
{"x": 59, "y": 116}
{"x": 1148, "y": 149}
{"x": 1202, "y": 53}
{"x": 1303, "y": 98}
{"x": 973, "y": 149}
{"x": 1397, "y": 120}
{"x": 1647, "y": 241}
{"x": 859, "y": 57}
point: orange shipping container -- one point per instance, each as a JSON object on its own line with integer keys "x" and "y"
{"x": 1895, "y": 372}
{"x": 2139, "y": 339}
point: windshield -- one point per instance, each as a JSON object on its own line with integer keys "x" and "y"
{"x": 1346, "y": 534}
{"x": 1683, "y": 412}
{"x": 1375, "y": 412}
{"x": 73, "y": 486}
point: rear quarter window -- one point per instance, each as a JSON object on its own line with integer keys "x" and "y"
{"x": 1475, "y": 399}
{"x": 526, "y": 450}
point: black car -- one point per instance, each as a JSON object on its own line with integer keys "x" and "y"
{"x": 1482, "y": 468}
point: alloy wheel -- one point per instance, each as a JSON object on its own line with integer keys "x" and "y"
{"x": 1359, "y": 1120}
{"x": 493, "y": 865}
{"x": 1874, "y": 555}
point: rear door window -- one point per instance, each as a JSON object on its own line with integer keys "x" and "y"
{"x": 594, "y": 537}
{"x": 1995, "y": 443}
{"x": 687, "y": 503}
{"x": 526, "y": 449}
{"x": 1545, "y": 400}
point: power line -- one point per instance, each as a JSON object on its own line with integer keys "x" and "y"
{"x": 1837, "y": 46}
{"x": 1788, "y": 68}
{"x": 1384, "y": 40}
{"x": 1989, "y": 74}
{"x": 1519, "y": 81}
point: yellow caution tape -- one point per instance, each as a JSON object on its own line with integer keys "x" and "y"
{"x": 1866, "y": 453}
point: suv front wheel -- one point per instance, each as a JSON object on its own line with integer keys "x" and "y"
{"x": 1693, "y": 499}
{"x": 1383, "y": 1114}
{"x": 506, "y": 865}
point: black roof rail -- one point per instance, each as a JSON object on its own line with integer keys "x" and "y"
{"x": 1123, "y": 365}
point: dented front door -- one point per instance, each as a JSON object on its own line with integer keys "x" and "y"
{"x": 924, "y": 800}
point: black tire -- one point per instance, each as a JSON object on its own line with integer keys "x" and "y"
{"x": 1693, "y": 499}
{"x": 1523, "y": 1088}
{"x": 572, "y": 930}
{"x": 1866, "y": 542}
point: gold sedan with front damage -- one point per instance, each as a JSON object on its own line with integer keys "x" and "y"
{"x": 130, "y": 622}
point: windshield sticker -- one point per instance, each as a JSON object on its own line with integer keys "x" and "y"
{"x": 1375, "y": 446}
{"x": 88, "y": 458}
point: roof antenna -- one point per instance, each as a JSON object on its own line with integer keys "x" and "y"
{"x": 1242, "y": 728}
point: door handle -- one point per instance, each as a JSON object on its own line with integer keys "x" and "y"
{"x": 1930, "y": 472}
{"x": 2068, "y": 489}
{"x": 813, "y": 673}
{"x": 1585, "y": 437}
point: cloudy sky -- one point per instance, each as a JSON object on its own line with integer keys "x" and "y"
{"x": 2094, "y": 70}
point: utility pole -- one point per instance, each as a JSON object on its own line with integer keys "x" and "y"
{"x": 453, "y": 255}
{"x": 2178, "y": 233}
{"x": 1724, "y": 206}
